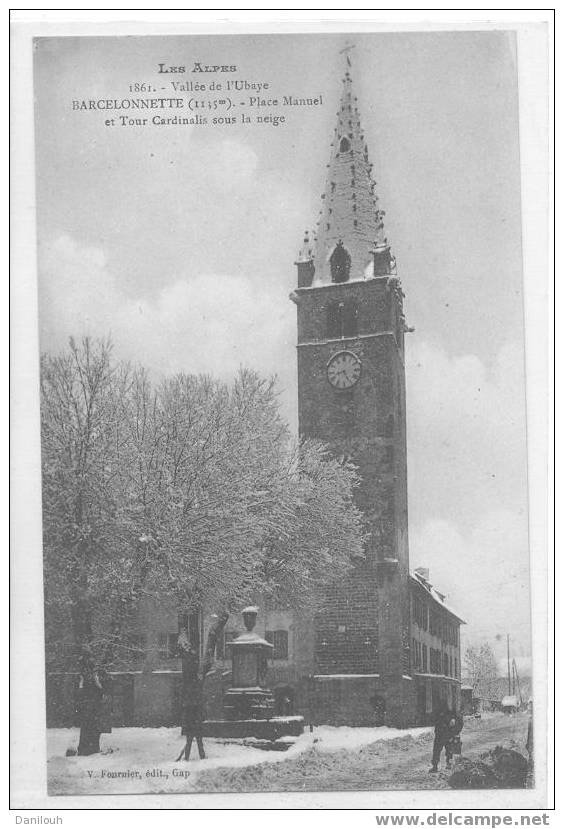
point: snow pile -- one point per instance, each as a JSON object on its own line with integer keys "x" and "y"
{"x": 332, "y": 738}
{"x": 135, "y": 760}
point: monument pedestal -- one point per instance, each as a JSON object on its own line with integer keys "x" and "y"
{"x": 249, "y": 703}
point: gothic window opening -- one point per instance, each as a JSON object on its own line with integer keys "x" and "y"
{"x": 340, "y": 263}
{"x": 344, "y": 146}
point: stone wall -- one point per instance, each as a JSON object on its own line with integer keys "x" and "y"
{"x": 364, "y": 625}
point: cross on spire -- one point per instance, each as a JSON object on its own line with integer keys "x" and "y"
{"x": 345, "y": 51}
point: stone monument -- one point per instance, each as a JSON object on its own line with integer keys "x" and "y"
{"x": 249, "y": 698}
{"x": 249, "y": 703}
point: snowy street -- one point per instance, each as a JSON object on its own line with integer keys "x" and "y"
{"x": 142, "y": 760}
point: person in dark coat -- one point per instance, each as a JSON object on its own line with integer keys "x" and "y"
{"x": 448, "y": 725}
{"x": 93, "y": 702}
{"x": 193, "y": 677}
{"x": 192, "y": 696}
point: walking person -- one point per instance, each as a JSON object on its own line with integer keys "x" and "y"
{"x": 193, "y": 677}
{"x": 448, "y": 725}
{"x": 93, "y": 704}
{"x": 192, "y": 696}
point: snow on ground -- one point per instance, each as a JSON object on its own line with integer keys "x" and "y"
{"x": 135, "y": 760}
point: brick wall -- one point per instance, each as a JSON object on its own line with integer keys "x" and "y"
{"x": 346, "y": 628}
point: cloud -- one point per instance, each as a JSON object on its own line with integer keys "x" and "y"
{"x": 208, "y": 323}
{"x": 485, "y": 573}
{"x": 212, "y": 323}
{"x": 466, "y": 432}
{"x": 468, "y": 484}
{"x": 75, "y": 288}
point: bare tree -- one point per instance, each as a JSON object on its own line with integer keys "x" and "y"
{"x": 81, "y": 447}
{"x": 481, "y": 669}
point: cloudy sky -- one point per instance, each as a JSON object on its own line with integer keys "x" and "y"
{"x": 180, "y": 241}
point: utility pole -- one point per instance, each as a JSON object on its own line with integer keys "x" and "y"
{"x": 508, "y": 668}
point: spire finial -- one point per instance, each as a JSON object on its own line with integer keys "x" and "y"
{"x": 346, "y": 51}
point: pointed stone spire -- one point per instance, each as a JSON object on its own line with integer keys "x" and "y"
{"x": 351, "y": 244}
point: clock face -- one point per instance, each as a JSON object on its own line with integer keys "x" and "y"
{"x": 343, "y": 370}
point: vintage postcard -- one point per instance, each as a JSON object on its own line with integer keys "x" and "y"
{"x": 283, "y": 420}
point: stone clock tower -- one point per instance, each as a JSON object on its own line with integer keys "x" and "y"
{"x": 351, "y": 390}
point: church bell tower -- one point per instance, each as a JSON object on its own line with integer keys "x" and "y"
{"x": 351, "y": 392}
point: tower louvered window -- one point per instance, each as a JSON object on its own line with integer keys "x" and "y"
{"x": 340, "y": 262}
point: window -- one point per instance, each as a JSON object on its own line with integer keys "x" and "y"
{"x": 191, "y": 622}
{"x": 456, "y": 667}
{"x": 416, "y": 654}
{"x": 278, "y": 638}
{"x": 334, "y": 320}
{"x": 350, "y": 319}
{"x": 344, "y": 145}
{"x": 340, "y": 263}
{"x": 167, "y": 645}
{"x": 342, "y": 319}
{"x": 435, "y": 624}
{"x": 445, "y": 664}
{"x": 222, "y": 651}
{"x": 436, "y": 666}
{"x": 136, "y": 646}
{"x": 420, "y": 613}
{"x": 424, "y": 667}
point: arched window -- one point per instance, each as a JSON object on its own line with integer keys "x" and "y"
{"x": 345, "y": 145}
{"x": 340, "y": 263}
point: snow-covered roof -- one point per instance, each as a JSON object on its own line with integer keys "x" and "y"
{"x": 439, "y": 598}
